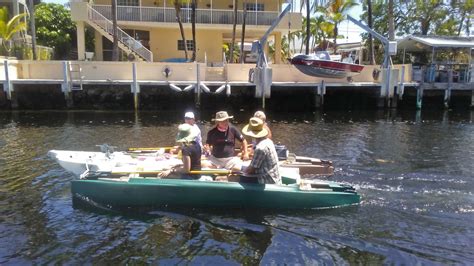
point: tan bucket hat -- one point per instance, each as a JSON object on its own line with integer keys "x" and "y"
{"x": 255, "y": 128}
{"x": 222, "y": 116}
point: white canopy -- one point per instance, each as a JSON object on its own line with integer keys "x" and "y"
{"x": 413, "y": 43}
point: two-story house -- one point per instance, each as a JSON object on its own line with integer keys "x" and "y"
{"x": 149, "y": 31}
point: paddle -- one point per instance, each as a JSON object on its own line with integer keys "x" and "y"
{"x": 194, "y": 172}
{"x": 151, "y": 149}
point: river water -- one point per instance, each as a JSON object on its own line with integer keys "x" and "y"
{"x": 414, "y": 171}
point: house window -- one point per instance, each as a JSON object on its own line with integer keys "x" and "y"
{"x": 127, "y": 2}
{"x": 254, "y": 7}
{"x": 189, "y": 44}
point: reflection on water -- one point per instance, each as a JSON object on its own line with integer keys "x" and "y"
{"x": 414, "y": 171}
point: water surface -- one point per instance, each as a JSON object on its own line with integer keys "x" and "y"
{"x": 413, "y": 170}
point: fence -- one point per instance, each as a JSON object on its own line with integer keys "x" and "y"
{"x": 24, "y": 51}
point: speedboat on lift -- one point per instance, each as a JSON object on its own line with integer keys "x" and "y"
{"x": 321, "y": 65}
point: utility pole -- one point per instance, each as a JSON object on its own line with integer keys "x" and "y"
{"x": 31, "y": 7}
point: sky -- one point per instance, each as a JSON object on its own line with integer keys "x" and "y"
{"x": 348, "y": 29}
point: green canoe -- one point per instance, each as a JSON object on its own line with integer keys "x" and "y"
{"x": 133, "y": 192}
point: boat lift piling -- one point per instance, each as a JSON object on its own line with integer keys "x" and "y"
{"x": 390, "y": 47}
{"x": 447, "y": 91}
{"x": 262, "y": 74}
{"x": 319, "y": 95}
{"x": 197, "y": 87}
{"x": 135, "y": 87}
{"x": 7, "y": 84}
{"x": 419, "y": 97}
{"x": 401, "y": 84}
{"x": 66, "y": 86}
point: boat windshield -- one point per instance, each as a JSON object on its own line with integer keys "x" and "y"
{"x": 324, "y": 55}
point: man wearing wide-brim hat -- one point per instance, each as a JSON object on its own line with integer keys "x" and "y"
{"x": 264, "y": 164}
{"x": 220, "y": 143}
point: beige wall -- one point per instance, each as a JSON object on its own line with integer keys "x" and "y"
{"x": 118, "y": 71}
{"x": 180, "y": 72}
{"x": 164, "y": 44}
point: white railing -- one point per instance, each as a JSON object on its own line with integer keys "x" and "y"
{"x": 203, "y": 16}
{"x": 107, "y": 25}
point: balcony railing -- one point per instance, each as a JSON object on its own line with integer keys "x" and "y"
{"x": 203, "y": 16}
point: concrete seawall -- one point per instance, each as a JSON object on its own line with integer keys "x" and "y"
{"x": 119, "y": 97}
{"x": 166, "y": 86}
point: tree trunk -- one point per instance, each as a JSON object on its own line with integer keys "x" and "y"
{"x": 193, "y": 25}
{"x": 115, "y": 53}
{"x": 308, "y": 25}
{"x": 391, "y": 29}
{"x": 371, "y": 41}
{"x": 242, "y": 40}
{"x": 177, "y": 8}
{"x": 336, "y": 32}
{"x": 231, "y": 55}
{"x": 31, "y": 7}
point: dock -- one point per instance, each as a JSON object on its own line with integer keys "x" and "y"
{"x": 140, "y": 85}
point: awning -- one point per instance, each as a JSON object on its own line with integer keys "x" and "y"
{"x": 426, "y": 43}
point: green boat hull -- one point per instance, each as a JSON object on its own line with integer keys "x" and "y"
{"x": 202, "y": 194}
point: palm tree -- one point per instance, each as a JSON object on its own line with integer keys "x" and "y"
{"x": 242, "y": 40}
{"x": 233, "y": 30}
{"x": 391, "y": 29}
{"x": 193, "y": 26}
{"x": 310, "y": 6}
{"x": 8, "y": 28}
{"x": 115, "y": 54}
{"x": 31, "y": 7}
{"x": 177, "y": 7}
{"x": 336, "y": 11}
{"x": 322, "y": 30}
{"x": 371, "y": 40}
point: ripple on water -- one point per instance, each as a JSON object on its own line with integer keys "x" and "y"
{"x": 415, "y": 179}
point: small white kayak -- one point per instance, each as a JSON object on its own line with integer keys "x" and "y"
{"x": 77, "y": 162}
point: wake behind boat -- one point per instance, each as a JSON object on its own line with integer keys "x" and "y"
{"x": 321, "y": 65}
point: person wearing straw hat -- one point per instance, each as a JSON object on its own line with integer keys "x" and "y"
{"x": 264, "y": 165}
{"x": 191, "y": 154}
{"x": 220, "y": 143}
{"x": 190, "y": 119}
{"x": 263, "y": 117}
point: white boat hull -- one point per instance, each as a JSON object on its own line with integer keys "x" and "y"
{"x": 77, "y": 162}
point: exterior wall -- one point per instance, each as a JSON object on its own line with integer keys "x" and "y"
{"x": 164, "y": 43}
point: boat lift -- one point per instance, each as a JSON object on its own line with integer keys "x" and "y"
{"x": 261, "y": 75}
{"x": 390, "y": 48}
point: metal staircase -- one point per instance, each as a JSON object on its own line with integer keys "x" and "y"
{"x": 125, "y": 41}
